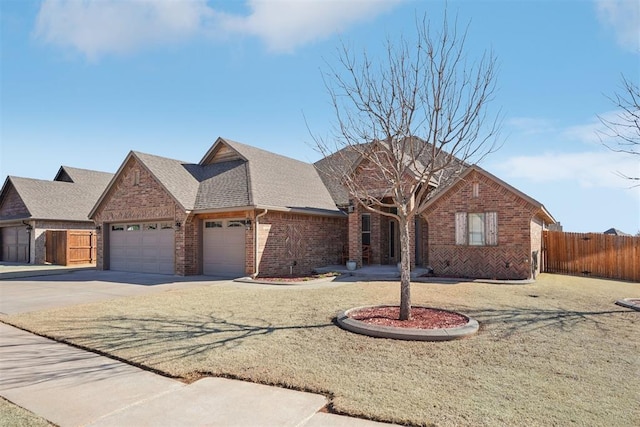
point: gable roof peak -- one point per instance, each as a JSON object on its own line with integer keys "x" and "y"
{"x": 222, "y": 150}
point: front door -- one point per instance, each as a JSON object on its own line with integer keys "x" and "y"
{"x": 394, "y": 242}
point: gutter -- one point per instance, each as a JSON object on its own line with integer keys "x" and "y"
{"x": 29, "y": 232}
{"x": 302, "y": 211}
{"x": 255, "y": 242}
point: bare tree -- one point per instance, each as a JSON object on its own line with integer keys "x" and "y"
{"x": 624, "y": 128}
{"x": 406, "y": 122}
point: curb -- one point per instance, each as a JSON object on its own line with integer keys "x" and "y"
{"x": 38, "y": 273}
{"x": 632, "y": 303}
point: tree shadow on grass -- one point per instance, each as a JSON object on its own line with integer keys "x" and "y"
{"x": 168, "y": 339}
{"x": 525, "y": 320}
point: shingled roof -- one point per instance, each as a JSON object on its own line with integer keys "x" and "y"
{"x": 280, "y": 181}
{"x": 333, "y": 167}
{"x": 235, "y": 175}
{"x": 69, "y": 197}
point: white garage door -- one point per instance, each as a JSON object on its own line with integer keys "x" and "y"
{"x": 224, "y": 248}
{"x": 15, "y": 244}
{"x": 142, "y": 247}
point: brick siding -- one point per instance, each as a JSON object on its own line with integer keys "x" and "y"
{"x": 510, "y": 259}
{"x": 306, "y": 240}
{"x": 296, "y": 243}
{"x": 146, "y": 200}
{"x": 12, "y": 205}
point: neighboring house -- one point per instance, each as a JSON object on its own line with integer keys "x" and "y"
{"x": 616, "y": 232}
{"x": 239, "y": 211}
{"x": 29, "y": 207}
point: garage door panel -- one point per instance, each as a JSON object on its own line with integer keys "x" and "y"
{"x": 224, "y": 249}
{"x": 15, "y": 244}
{"x": 142, "y": 248}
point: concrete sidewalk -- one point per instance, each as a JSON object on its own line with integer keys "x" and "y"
{"x": 72, "y": 387}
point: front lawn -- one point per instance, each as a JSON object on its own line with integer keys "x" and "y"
{"x": 557, "y": 352}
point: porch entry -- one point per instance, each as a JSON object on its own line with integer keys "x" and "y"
{"x": 387, "y": 250}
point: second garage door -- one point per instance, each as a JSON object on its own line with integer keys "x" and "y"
{"x": 15, "y": 244}
{"x": 142, "y": 247}
{"x": 224, "y": 248}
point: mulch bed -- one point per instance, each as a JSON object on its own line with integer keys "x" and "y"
{"x": 294, "y": 279}
{"x": 421, "y": 317}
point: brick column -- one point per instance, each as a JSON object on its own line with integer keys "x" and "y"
{"x": 355, "y": 235}
{"x": 376, "y": 246}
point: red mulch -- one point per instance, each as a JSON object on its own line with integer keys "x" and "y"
{"x": 421, "y": 317}
{"x": 286, "y": 279}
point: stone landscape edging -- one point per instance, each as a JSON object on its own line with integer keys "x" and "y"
{"x": 286, "y": 283}
{"x": 629, "y": 303}
{"x": 409, "y": 334}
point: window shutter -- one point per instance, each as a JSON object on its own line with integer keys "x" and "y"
{"x": 461, "y": 228}
{"x": 491, "y": 228}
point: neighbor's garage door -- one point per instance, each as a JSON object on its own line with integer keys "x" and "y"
{"x": 142, "y": 247}
{"x": 15, "y": 244}
{"x": 224, "y": 248}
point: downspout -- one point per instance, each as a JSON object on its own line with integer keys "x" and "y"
{"x": 255, "y": 242}
{"x": 29, "y": 231}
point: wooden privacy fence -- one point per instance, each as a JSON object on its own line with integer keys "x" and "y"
{"x": 69, "y": 247}
{"x": 592, "y": 254}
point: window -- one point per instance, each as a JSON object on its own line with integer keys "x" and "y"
{"x": 366, "y": 229}
{"x": 392, "y": 239}
{"x": 117, "y": 228}
{"x": 477, "y": 229}
{"x": 166, "y": 225}
{"x": 237, "y": 223}
{"x": 133, "y": 227}
{"x": 136, "y": 177}
{"x": 213, "y": 224}
{"x": 148, "y": 227}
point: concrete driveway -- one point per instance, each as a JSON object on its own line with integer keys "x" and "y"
{"x": 72, "y": 387}
{"x": 22, "y": 295}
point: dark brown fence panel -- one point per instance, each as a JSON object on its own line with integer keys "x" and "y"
{"x": 69, "y": 247}
{"x": 592, "y": 254}
{"x": 55, "y": 248}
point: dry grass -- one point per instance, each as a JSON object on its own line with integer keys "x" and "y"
{"x": 14, "y": 416}
{"x": 557, "y": 352}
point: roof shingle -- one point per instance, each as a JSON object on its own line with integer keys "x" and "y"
{"x": 61, "y": 200}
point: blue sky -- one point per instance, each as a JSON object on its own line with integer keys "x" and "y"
{"x": 84, "y": 82}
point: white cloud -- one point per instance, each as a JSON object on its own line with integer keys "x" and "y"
{"x": 570, "y": 154}
{"x": 107, "y": 26}
{"x": 285, "y": 25}
{"x": 623, "y": 17}
{"x": 590, "y": 169}
{"x": 98, "y": 27}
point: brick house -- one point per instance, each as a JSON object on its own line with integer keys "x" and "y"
{"x": 29, "y": 207}
{"x": 246, "y": 211}
{"x": 239, "y": 211}
{"x": 473, "y": 225}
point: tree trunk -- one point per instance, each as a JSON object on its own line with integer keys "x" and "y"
{"x": 405, "y": 269}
